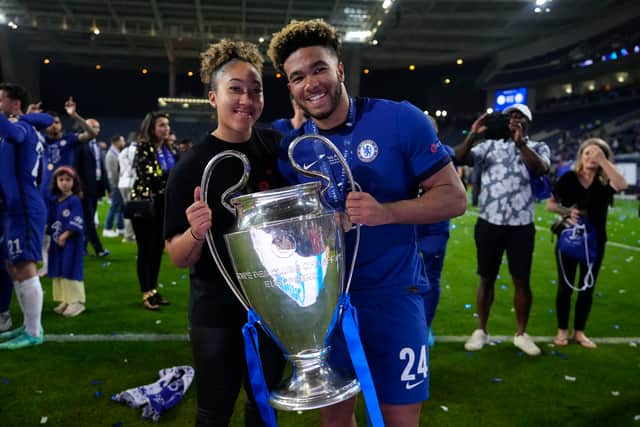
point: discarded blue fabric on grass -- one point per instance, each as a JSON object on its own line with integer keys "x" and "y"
{"x": 157, "y": 397}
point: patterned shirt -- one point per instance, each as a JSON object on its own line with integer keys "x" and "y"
{"x": 505, "y": 194}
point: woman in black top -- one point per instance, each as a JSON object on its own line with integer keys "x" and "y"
{"x": 586, "y": 191}
{"x": 215, "y": 316}
{"x": 153, "y": 161}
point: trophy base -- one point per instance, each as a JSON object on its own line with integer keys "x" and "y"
{"x": 313, "y": 385}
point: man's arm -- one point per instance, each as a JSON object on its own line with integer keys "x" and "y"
{"x": 88, "y": 133}
{"x": 534, "y": 162}
{"x": 463, "y": 151}
{"x": 444, "y": 198}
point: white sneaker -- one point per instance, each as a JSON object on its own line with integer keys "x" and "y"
{"x": 74, "y": 309}
{"x": 109, "y": 233}
{"x": 477, "y": 340}
{"x": 526, "y": 344}
{"x": 120, "y": 232}
{"x": 5, "y": 321}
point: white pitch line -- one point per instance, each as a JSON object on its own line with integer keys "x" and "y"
{"x": 185, "y": 337}
{"x": 114, "y": 337}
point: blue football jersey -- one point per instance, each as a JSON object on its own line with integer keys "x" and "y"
{"x": 390, "y": 148}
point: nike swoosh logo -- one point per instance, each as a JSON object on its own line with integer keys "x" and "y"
{"x": 307, "y": 166}
{"x": 409, "y": 386}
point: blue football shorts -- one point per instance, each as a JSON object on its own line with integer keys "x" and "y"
{"x": 394, "y": 336}
{"x": 23, "y": 235}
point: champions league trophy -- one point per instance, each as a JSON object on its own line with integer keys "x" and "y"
{"x": 288, "y": 256}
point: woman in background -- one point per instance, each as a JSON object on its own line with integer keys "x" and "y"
{"x": 153, "y": 161}
{"x": 583, "y": 193}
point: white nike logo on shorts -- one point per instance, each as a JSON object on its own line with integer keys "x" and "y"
{"x": 409, "y": 386}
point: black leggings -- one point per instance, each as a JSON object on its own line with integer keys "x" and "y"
{"x": 219, "y": 360}
{"x": 585, "y": 298}
{"x": 150, "y": 247}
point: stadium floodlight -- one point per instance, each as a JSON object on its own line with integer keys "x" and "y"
{"x": 3, "y": 18}
{"x": 386, "y": 4}
{"x": 357, "y": 36}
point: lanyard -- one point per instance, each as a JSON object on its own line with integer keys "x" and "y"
{"x": 337, "y": 191}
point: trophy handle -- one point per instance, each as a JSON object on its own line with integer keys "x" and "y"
{"x": 312, "y": 173}
{"x": 204, "y": 190}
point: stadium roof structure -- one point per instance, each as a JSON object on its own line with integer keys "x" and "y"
{"x": 389, "y": 33}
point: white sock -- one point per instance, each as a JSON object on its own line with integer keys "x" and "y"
{"x": 29, "y": 293}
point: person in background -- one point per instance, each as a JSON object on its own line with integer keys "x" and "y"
{"x": 583, "y": 193}
{"x": 391, "y": 148}
{"x": 152, "y": 163}
{"x": 23, "y": 215}
{"x": 125, "y": 183}
{"x": 95, "y": 184}
{"x": 61, "y": 148}
{"x": 284, "y": 126}
{"x": 505, "y": 222}
{"x": 232, "y": 70}
{"x": 112, "y": 166}
{"x": 65, "y": 225}
{"x": 432, "y": 243}
{"x": 184, "y": 145}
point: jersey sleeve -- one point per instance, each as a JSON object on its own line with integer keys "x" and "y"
{"x": 424, "y": 150}
{"x": 13, "y": 132}
{"x": 76, "y": 221}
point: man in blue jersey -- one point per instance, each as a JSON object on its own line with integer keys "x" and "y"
{"x": 391, "y": 148}
{"x": 432, "y": 243}
{"x": 61, "y": 146}
{"x": 24, "y": 214}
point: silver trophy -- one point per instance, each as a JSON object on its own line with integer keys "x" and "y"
{"x": 288, "y": 256}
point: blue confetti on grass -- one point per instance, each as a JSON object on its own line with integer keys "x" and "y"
{"x": 496, "y": 380}
{"x": 503, "y": 287}
{"x": 551, "y": 310}
{"x": 453, "y": 226}
{"x": 96, "y": 382}
{"x": 98, "y": 393}
{"x": 5, "y": 381}
{"x": 616, "y": 327}
{"x": 117, "y": 424}
{"x": 467, "y": 306}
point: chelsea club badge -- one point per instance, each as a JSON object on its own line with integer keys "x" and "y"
{"x": 367, "y": 151}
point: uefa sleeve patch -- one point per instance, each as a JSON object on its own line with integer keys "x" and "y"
{"x": 367, "y": 151}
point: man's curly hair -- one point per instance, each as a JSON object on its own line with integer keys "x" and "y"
{"x": 219, "y": 54}
{"x": 298, "y": 34}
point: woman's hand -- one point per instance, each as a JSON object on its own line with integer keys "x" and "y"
{"x": 574, "y": 215}
{"x": 199, "y": 216}
{"x": 595, "y": 153}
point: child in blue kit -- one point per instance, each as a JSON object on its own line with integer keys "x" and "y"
{"x": 65, "y": 225}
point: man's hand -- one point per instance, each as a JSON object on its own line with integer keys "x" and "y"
{"x": 363, "y": 208}
{"x": 199, "y": 216}
{"x": 478, "y": 126}
{"x": 35, "y": 108}
{"x": 70, "y": 106}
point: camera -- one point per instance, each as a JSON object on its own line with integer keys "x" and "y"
{"x": 497, "y": 126}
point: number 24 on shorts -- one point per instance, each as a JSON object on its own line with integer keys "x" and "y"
{"x": 421, "y": 369}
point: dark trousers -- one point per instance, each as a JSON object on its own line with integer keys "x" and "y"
{"x": 219, "y": 362}
{"x": 585, "y": 298}
{"x": 89, "y": 205}
{"x": 150, "y": 247}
